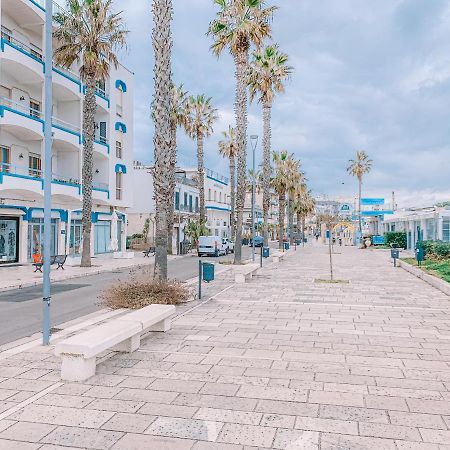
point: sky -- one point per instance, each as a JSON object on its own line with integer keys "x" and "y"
{"x": 368, "y": 75}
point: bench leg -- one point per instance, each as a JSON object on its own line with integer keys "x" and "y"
{"x": 130, "y": 345}
{"x": 239, "y": 278}
{"x": 164, "y": 325}
{"x": 77, "y": 368}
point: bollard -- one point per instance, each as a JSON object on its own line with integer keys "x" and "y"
{"x": 200, "y": 270}
{"x": 261, "y": 259}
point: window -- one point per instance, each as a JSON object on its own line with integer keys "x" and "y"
{"x": 119, "y": 186}
{"x": 5, "y": 158}
{"x": 220, "y": 197}
{"x": 446, "y": 230}
{"x": 431, "y": 229}
{"x": 119, "y": 149}
{"x": 102, "y": 133}
{"x": 185, "y": 199}
{"x": 215, "y": 195}
{"x": 101, "y": 87}
{"x": 196, "y": 205}
{"x": 190, "y": 203}
{"x": 35, "y": 108}
{"x": 34, "y": 165}
{"x": 177, "y": 201}
{"x": 209, "y": 194}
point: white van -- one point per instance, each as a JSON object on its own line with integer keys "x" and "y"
{"x": 211, "y": 246}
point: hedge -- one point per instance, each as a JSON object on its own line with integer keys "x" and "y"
{"x": 396, "y": 237}
{"x": 437, "y": 249}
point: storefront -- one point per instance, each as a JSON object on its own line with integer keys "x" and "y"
{"x": 9, "y": 240}
{"x": 36, "y": 237}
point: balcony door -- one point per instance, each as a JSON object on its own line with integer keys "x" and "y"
{"x": 35, "y": 165}
{"x": 5, "y": 158}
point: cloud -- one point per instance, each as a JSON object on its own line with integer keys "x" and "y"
{"x": 368, "y": 75}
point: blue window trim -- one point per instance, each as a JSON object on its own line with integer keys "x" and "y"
{"x": 21, "y": 50}
{"x": 4, "y": 108}
{"x": 24, "y": 209}
{"x": 216, "y": 208}
{"x": 218, "y": 181}
{"x": 120, "y": 127}
{"x": 120, "y": 168}
{"x": 102, "y": 190}
{"x": 63, "y": 213}
{"x": 121, "y": 85}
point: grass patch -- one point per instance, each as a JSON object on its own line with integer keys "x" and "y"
{"x": 141, "y": 290}
{"x": 320, "y": 280}
{"x": 438, "y": 268}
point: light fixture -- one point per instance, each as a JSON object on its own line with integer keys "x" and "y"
{"x": 21, "y": 156}
{"x": 22, "y": 98}
{"x": 97, "y": 171}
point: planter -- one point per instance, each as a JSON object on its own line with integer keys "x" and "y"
{"x": 123, "y": 255}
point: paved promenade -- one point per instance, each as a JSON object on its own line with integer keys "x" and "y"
{"x": 281, "y": 362}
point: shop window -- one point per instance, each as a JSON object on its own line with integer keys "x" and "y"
{"x": 177, "y": 201}
{"x": 446, "y": 230}
{"x": 9, "y": 240}
{"x": 5, "y": 158}
{"x": 119, "y": 186}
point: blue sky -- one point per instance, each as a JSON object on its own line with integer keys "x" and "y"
{"x": 368, "y": 75}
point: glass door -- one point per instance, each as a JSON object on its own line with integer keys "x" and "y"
{"x": 36, "y": 238}
{"x": 9, "y": 240}
{"x": 76, "y": 236}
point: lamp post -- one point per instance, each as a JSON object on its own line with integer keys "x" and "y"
{"x": 46, "y": 287}
{"x": 254, "y": 141}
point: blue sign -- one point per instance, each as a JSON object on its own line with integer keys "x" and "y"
{"x": 345, "y": 207}
{"x": 372, "y": 201}
{"x": 377, "y": 240}
{"x": 376, "y": 213}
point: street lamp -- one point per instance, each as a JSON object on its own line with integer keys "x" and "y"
{"x": 254, "y": 141}
{"x": 46, "y": 287}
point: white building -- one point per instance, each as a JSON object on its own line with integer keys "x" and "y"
{"x": 22, "y": 144}
{"x": 186, "y": 203}
{"x": 433, "y": 223}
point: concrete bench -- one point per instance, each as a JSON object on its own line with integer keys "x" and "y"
{"x": 245, "y": 272}
{"x": 278, "y": 256}
{"x": 78, "y": 353}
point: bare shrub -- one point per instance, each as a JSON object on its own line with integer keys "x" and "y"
{"x": 140, "y": 291}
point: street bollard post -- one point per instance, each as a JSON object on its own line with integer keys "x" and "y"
{"x": 200, "y": 270}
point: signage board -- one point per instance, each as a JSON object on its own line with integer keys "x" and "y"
{"x": 378, "y": 240}
{"x": 372, "y": 201}
{"x": 376, "y": 213}
{"x": 345, "y": 207}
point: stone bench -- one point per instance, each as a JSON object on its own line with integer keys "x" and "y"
{"x": 78, "y": 353}
{"x": 244, "y": 273}
{"x": 278, "y": 256}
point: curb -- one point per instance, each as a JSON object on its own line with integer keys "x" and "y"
{"x": 437, "y": 283}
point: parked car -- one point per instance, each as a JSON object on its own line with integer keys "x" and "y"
{"x": 230, "y": 245}
{"x": 259, "y": 241}
{"x": 211, "y": 246}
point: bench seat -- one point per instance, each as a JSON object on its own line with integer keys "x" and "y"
{"x": 123, "y": 334}
{"x": 244, "y": 273}
{"x": 277, "y": 257}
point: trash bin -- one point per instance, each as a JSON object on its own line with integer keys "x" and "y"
{"x": 298, "y": 242}
{"x": 208, "y": 272}
{"x": 286, "y": 246}
{"x": 420, "y": 254}
{"x": 266, "y": 252}
{"x": 395, "y": 253}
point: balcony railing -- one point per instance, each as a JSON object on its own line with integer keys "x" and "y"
{"x": 21, "y": 108}
{"x": 101, "y": 139}
{"x": 33, "y": 51}
{"x": 185, "y": 180}
{"x": 66, "y": 126}
{"x": 62, "y": 179}
{"x": 67, "y": 73}
{"x": 210, "y": 173}
{"x": 98, "y": 186}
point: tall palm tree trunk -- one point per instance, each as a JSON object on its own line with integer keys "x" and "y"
{"x": 171, "y": 199}
{"x": 281, "y": 213}
{"x": 162, "y": 45}
{"x": 233, "y": 196}
{"x": 201, "y": 176}
{"x": 359, "y": 211}
{"x": 266, "y": 171}
{"x": 291, "y": 218}
{"x": 241, "y": 144}
{"x": 303, "y": 229}
{"x": 89, "y": 108}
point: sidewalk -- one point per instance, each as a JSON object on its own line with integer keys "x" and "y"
{"x": 281, "y": 362}
{"x": 17, "y": 277}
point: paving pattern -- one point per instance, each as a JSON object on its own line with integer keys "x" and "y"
{"x": 282, "y": 362}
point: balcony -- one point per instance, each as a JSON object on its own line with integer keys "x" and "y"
{"x": 22, "y": 178}
{"x": 100, "y": 191}
{"x": 217, "y": 177}
{"x": 66, "y": 131}
{"x": 186, "y": 209}
{"x": 101, "y": 145}
{"x": 67, "y": 79}
{"x": 218, "y": 206}
{"x": 21, "y": 120}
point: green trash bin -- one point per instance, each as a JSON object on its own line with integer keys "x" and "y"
{"x": 286, "y": 246}
{"x": 298, "y": 242}
{"x": 266, "y": 252}
{"x": 208, "y": 272}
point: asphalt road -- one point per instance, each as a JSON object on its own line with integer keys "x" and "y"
{"x": 21, "y": 309}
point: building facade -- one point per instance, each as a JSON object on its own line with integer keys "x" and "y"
{"x": 432, "y": 222}
{"x": 186, "y": 203}
{"x": 22, "y": 145}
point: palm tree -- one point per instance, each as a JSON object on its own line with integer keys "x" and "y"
{"x": 227, "y": 148}
{"x": 358, "y": 167}
{"x": 304, "y": 205}
{"x": 238, "y": 25}
{"x": 296, "y": 177}
{"x": 284, "y": 176}
{"x": 90, "y": 34}
{"x": 268, "y": 71}
{"x": 200, "y": 118}
{"x": 178, "y": 118}
{"x": 162, "y": 140}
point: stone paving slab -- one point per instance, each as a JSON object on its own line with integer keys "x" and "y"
{"x": 281, "y": 362}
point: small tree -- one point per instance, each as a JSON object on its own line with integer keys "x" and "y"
{"x": 146, "y": 229}
{"x": 196, "y": 229}
{"x": 330, "y": 220}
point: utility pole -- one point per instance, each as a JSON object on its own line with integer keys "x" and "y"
{"x": 46, "y": 287}
{"x": 254, "y": 141}
{"x": 393, "y": 201}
